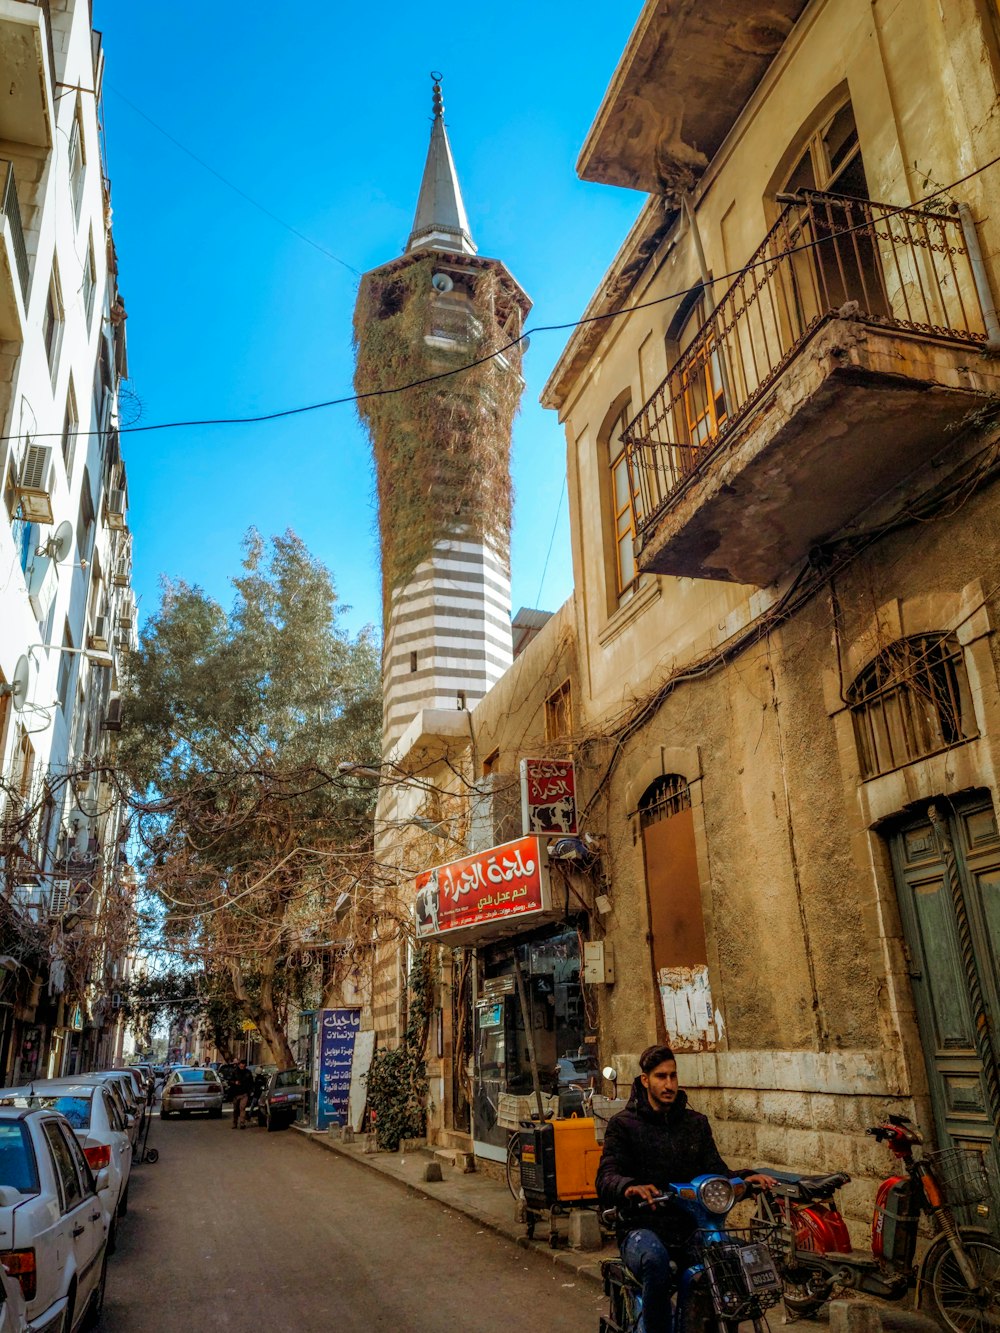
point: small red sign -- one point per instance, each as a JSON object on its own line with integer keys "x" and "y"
{"x": 548, "y": 796}
{"x": 483, "y": 890}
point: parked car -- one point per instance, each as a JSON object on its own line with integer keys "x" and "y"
{"x": 283, "y": 1098}
{"x": 188, "y": 1090}
{"x": 53, "y": 1228}
{"x": 145, "y": 1074}
{"x": 96, "y": 1121}
{"x": 122, "y": 1089}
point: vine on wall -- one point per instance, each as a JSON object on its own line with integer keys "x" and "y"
{"x": 442, "y": 450}
{"x": 397, "y": 1078}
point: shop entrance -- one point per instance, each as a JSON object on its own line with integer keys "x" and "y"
{"x": 550, "y": 967}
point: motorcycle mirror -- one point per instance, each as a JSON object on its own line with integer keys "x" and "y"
{"x": 610, "y": 1073}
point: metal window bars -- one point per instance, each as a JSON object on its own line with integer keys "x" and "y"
{"x": 827, "y": 256}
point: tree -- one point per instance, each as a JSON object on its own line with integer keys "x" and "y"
{"x": 233, "y": 725}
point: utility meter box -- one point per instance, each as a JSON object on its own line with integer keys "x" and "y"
{"x": 598, "y": 963}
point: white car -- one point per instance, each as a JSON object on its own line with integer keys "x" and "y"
{"x": 98, "y": 1125}
{"x": 53, "y": 1228}
{"x": 121, "y": 1089}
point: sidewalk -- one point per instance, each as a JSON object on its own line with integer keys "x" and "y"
{"x": 485, "y": 1201}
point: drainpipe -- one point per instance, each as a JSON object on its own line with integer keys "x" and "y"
{"x": 981, "y": 279}
{"x": 699, "y": 250}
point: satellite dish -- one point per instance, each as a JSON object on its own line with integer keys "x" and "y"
{"x": 57, "y": 547}
{"x": 18, "y": 687}
{"x": 442, "y": 283}
{"x": 61, "y": 541}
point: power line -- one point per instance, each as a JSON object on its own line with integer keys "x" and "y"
{"x": 605, "y": 317}
{"x": 255, "y": 203}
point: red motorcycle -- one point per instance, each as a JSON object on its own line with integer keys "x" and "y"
{"x": 958, "y": 1278}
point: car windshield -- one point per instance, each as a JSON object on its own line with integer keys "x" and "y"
{"x": 290, "y": 1078}
{"x": 197, "y": 1075}
{"x": 17, "y": 1160}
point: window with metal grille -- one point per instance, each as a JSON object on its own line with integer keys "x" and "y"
{"x": 666, "y": 796}
{"x": 911, "y": 701}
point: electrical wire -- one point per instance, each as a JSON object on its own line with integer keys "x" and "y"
{"x": 255, "y": 203}
{"x": 604, "y": 317}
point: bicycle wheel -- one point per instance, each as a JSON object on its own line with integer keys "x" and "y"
{"x": 956, "y": 1306}
{"x": 514, "y": 1165}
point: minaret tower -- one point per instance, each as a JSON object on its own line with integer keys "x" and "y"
{"x": 445, "y": 317}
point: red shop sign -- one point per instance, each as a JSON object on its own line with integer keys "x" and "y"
{"x": 548, "y": 796}
{"x": 483, "y": 895}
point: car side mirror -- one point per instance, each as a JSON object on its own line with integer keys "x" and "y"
{"x": 9, "y": 1196}
{"x": 103, "y": 1179}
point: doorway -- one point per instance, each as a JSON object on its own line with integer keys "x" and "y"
{"x": 946, "y": 864}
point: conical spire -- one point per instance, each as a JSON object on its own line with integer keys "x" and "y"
{"x": 440, "y": 222}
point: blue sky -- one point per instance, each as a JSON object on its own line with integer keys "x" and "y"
{"x": 322, "y": 114}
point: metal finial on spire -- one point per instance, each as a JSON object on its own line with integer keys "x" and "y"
{"x": 440, "y": 222}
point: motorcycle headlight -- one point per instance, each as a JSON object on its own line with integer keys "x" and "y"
{"x": 717, "y": 1195}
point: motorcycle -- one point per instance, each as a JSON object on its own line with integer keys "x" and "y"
{"x": 958, "y": 1277}
{"x": 730, "y": 1277}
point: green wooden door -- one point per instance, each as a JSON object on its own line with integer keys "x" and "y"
{"x": 947, "y": 868}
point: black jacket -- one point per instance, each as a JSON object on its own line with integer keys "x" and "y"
{"x": 647, "y": 1147}
{"x": 241, "y": 1082}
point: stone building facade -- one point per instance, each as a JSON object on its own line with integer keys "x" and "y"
{"x": 778, "y": 672}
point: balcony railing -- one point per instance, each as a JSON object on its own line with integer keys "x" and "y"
{"x": 11, "y": 210}
{"x": 826, "y": 257}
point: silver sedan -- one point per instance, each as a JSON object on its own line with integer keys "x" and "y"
{"x": 188, "y": 1090}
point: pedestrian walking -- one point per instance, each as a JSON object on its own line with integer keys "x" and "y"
{"x": 242, "y": 1092}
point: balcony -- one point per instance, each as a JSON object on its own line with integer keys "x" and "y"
{"x": 27, "y": 58}
{"x": 13, "y": 259}
{"x": 828, "y": 373}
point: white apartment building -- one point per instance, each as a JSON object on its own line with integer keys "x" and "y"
{"x": 67, "y": 609}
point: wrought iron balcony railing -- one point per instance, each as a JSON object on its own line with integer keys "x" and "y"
{"x": 826, "y": 257}
{"x": 11, "y": 210}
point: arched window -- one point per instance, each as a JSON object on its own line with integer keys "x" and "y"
{"x": 831, "y": 160}
{"x": 912, "y": 700}
{"x": 676, "y": 924}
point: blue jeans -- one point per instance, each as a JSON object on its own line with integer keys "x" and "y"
{"x": 648, "y": 1259}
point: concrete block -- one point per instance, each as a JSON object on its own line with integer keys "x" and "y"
{"x": 432, "y": 1172}
{"x": 347, "y": 1134}
{"x": 465, "y": 1162}
{"x": 584, "y": 1230}
{"x": 854, "y": 1317}
{"x": 333, "y": 1131}
{"x": 371, "y": 1142}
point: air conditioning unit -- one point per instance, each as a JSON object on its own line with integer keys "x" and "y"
{"x": 126, "y": 612}
{"x": 115, "y": 510}
{"x": 33, "y": 484}
{"x": 59, "y": 896}
{"x": 113, "y": 717}
{"x": 99, "y": 638}
{"x": 122, "y": 575}
{"x": 30, "y": 900}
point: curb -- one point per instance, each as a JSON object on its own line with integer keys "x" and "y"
{"x": 581, "y": 1266}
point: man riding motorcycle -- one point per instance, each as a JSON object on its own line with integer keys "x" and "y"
{"x": 656, "y": 1140}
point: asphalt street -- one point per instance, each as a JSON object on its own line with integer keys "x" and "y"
{"x": 254, "y": 1231}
